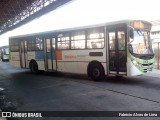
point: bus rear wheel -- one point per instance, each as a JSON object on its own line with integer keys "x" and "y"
{"x": 96, "y": 72}
{"x": 34, "y": 67}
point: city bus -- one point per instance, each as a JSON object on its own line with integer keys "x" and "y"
{"x": 4, "y": 53}
{"x": 120, "y": 48}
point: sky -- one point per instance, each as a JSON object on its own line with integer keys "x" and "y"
{"x": 86, "y": 12}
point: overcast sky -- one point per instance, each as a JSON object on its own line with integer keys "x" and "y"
{"x": 87, "y": 12}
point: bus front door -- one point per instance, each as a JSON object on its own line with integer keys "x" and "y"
{"x": 117, "y": 56}
{"x": 50, "y": 62}
{"x": 23, "y": 54}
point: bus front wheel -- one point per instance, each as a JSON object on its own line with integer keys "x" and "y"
{"x": 96, "y": 71}
{"x": 34, "y": 67}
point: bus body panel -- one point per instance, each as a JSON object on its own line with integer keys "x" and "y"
{"x": 41, "y": 65}
{"x": 76, "y": 61}
{"x": 15, "y": 59}
{"x": 131, "y": 69}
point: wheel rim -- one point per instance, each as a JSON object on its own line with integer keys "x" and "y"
{"x": 96, "y": 72}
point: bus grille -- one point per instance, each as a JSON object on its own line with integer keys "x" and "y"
{"x": 147, "y": 64}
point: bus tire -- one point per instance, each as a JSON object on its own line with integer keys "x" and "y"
{"x": 34, "y": 67}
{"x": 96, "y": 71}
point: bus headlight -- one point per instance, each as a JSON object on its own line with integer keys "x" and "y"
{"x": 134, "y": 62}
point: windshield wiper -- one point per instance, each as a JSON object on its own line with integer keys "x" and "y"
{"x": 145, "y": 56}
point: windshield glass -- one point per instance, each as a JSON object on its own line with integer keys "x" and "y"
{"x": 141, "y": 43}
{"x": 6, "y": 51}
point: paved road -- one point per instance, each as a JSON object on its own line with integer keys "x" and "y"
{"x": 63, "y": 92}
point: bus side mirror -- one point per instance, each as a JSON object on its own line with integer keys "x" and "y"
{"x": 131, "y": 33}
{"x": 130, "y": 48}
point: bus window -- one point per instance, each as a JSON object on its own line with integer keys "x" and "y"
{"x": 38, "y": 44}
{"x": 63, "y": 41}
{"x": 31, "y": 45}
{"x": 14, "y": 45}
{"x": 53, "y": 44}
{"x": 78, "y": 40}
{"x": 48, "y": 44}
{"x": 121, "y": 40}
{"x": 35, "y": 44}
{"x": 112, "y": 36}
{"x": 95, "y": 38}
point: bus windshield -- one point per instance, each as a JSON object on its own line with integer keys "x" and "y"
{"x": 141, "y": 43}
{"x": 6, "y": 51}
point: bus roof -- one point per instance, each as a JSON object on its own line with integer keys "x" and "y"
{"x": 127, "y": 22}
{"x": 6, "y": 46}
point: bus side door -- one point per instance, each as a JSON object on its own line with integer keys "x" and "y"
{"x": 117, "y": 53}
{"x": 23, "y": 54}
{"x": 50, "y": 55}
